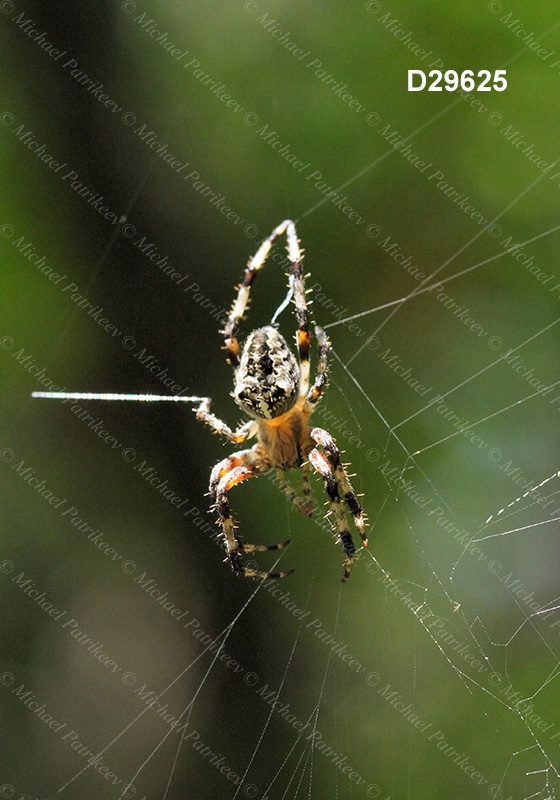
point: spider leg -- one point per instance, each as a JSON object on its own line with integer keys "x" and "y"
{"x": 338, "y": 487}
{"x": 225, "y": 475}
{"x": 320, "y": 463}
{"x": 316, "y": 391}
{"x": 326, "y": 441}
{"x": 237, "y": 437}
{"x": 304, "y": 504}
{"x": 240, "y": 303}
{"x": 306, "y": 486}
{"x": 302, "y": 312}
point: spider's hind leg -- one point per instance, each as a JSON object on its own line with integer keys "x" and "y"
{"x": 320, "y": 382}
{"x": 225, "y": 475}
{"x": 244, "y": 288}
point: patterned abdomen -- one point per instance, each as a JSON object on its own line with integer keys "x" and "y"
{"x": 267, "y": 380}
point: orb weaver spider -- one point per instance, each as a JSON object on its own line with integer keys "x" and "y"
{"x": 275, "y": 393}
{"x": 272, "y": 390}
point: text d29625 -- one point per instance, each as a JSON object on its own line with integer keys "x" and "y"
{"x": 485, "y": 80}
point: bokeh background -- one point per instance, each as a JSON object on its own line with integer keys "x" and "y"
{"x": 452, "y": 684}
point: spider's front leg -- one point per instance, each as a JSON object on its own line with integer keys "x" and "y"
{"x": 305, "y": 503}
{"x": 337, "y": 484}
{"x": 225, "y": 475}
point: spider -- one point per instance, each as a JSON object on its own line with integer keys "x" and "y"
{"x": 272, "y": 390}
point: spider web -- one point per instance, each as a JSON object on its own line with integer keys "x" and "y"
{"x": 441, "y": 605}
{"x": 434, "y": 670}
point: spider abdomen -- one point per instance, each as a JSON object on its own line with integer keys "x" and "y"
{"x": 267, "y": 379}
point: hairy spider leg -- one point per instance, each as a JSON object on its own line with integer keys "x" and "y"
{"x": 225, "y": 475}
{"x": 338, "y": 487}
{"x": 237, "y": 437}
{"x": 300, "y": 302}
{"x": 320, "y": 463}
{"x": 298, "y": 285}
{"x": 240, "y": 303}
{"x": 327, "y": 442}
{"x": 306, "y": 486}
{"x": 304, "y": 504}
{"x": 320, "y": 382}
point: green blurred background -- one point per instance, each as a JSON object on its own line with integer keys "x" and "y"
{"x": 462, "y": 650}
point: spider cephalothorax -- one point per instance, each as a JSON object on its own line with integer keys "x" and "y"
{"x": 275, "y": 393}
